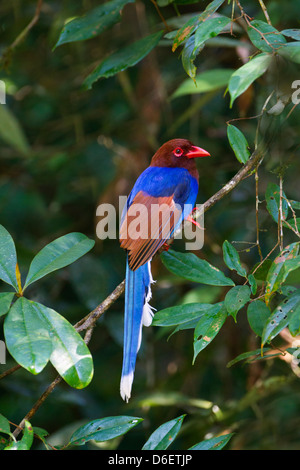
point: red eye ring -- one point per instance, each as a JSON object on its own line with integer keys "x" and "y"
{"x": 178, "y": 152}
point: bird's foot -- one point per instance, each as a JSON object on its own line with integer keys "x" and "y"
{"x": 165, "y": 246}
{"x": 193, "y": 221}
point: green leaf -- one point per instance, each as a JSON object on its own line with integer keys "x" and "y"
{"x": 265, "y": 37}
{"x": 206, "y": 81}
{"x": 295, "y": 204}
{"x": 291, "y": 51}
{"x": 192, "y": 268}
{"x": 232, "y": 258}
{"x": 236, "y": 298}
{"x": 253, "y": 283}
{"x": 27, "y": 438}
{"x": 243, "y": 77}
{"x": 294, "y": 321}
{"x": 277, "y": 272}
{"x": 249, "y": 356}
{"x": 163, "y": 436}
{"x": 258, "y": 313}
{"x": 58, "y": 254}
{"x": 181, "y": 314}
{"x": 273, "y": 201}
{"x": 25, "y": 442}
{"x": 207, "y": 328}
{"x": 92, "y": 23}
{"x": 215, "y": 443}
{"x": 70, "y": 355}
{"x": 8, "y": 258}
{"x": 11, "y": 132}
{"x": 292, "y": 33}
{"x": 191, "y": 25}
{"x": 210, "y": 28}
{"x": 27, "y": 336}
{"x": 294, "y": 223}
{"x": 238, "y": 143}
{"x": 35, "y": 334}
{"x": 189, "y": 54}
{"x": 104, "y": 429}
{"x": 280, "y": 318}
{"x": 5, "y": 301}
{"x": 4, "y": 425}
{"x": 121, "y": 60}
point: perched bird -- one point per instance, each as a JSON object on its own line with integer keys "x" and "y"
{"x": 159, "y": 201}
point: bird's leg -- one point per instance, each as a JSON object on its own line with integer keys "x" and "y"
{"x": 193, "y": 221}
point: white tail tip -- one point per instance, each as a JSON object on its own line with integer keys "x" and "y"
{"x": 125, "y": 386}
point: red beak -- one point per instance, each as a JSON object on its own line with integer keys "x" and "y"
{"x": 196, "y": 152}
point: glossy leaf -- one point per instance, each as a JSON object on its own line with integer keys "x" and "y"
{"x": 104, "y": 429}
{"x": 206, "y": 81}
{"x": 70, "y": 355}
{"x": 264, "y": 36}
{"x": 35, "y": 334}
{"x": 124, "y": 58}
{"x": 258, "y": 313}
{"x": 11, "y": 132}
{"x": 214, "y": 443}
{"x": 163, "y": 436}
{"x": 280, "y": 318}
{"x": 27, "y": 336}
{"x": 232, "y": 258}
{"x": 207, "y": 328}
{"x": 8, "y": 258}
{"x": 5, "y": 301}
{"x": 210, "y": 28}
{"x": 181, "y": 314}
{"x": 191, "y": 25}
{"x": 277, "y": 272}
{"x": 243, "y": 77}
{"x": 273, "y": 201}
{"x": 192, "y": 268}
{"x": 189, "y": 54}
{"x": 236, "y": 298}
{"x": 238, "y": 143}
{"x": 291, "y": 51}
{"x": 92, "y": 23}
{"x": 58, "y": 254}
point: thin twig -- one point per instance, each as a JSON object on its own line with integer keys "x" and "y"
{"x": 9, "y": 371}
{"x": 37, "y": 405}
{"x": 263, "y": 7}
{"x": 26, "y": 30}
{"x": 161, "y": 15}
{"x": 257, "y": 201}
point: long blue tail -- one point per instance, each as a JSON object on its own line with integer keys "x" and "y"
{"x": 137, "y": 313}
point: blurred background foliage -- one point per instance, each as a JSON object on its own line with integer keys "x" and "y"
{"x": 69, "y": 149}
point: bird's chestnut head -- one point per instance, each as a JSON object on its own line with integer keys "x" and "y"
{"x": 178, "y": 153}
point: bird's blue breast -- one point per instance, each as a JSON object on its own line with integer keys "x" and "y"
{"x": 165, "y": 181}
